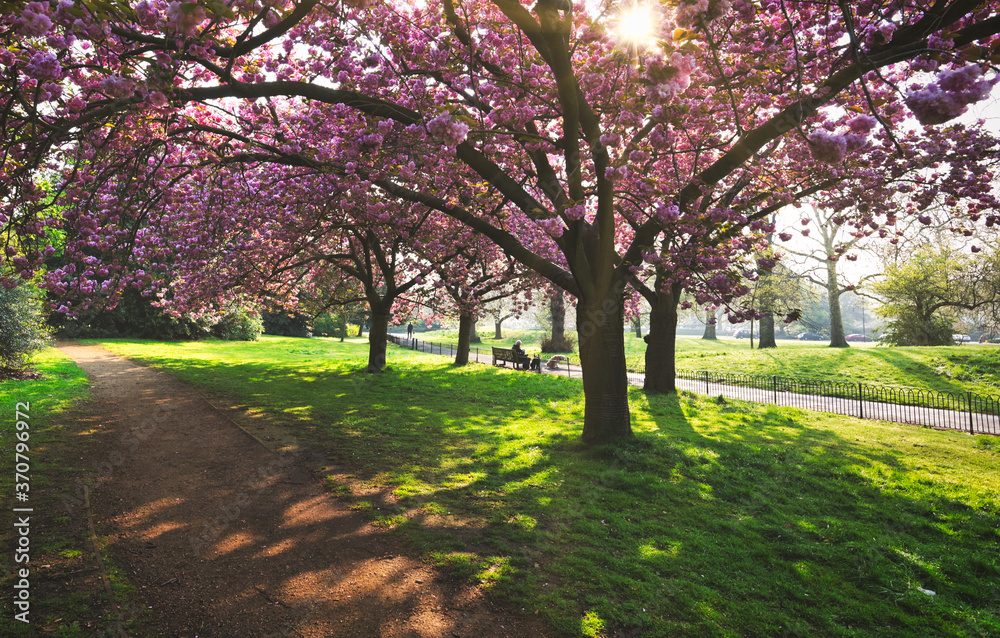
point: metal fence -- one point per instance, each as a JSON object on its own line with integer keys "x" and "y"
{"x": 966, "y": 411}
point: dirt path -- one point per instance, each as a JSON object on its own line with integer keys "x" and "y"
{"x": 223, "y": 537}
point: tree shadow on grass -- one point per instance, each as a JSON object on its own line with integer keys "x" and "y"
{"x": 770, "y": 528}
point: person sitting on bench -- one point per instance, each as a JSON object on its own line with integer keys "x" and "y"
{"x": 522, "y": 356}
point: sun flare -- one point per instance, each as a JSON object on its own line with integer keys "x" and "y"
{"x": 636, "y": 26}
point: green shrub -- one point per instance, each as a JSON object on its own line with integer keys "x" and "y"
{"x": 134, "y": 316}
{"x": 22, "y": 326}
{"x": 326, "y": 325}
{"x": 285, "y": 324}
{"x": 239, "y": 324}
{"x": 557, "y": 345}
{"x": 911, "y": 329}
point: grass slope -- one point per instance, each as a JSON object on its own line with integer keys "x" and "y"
{"x": 965, "y": 368}
{"x": 720, "y": 519}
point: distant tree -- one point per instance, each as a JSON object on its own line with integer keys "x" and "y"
{"x": 778, "y": 292}
{"x": 923, "y": 293}
{"x": 833, "y": 241}
{"x": 557, "y": 341}
{"x": 711, "y": 321}
{"x": 500, "y": 311}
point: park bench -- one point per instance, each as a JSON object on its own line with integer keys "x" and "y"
{"x": 502, "y": 355}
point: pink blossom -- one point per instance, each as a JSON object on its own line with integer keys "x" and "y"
{"x": 949, "y": 95}
{"x": 447, "y": 130}
{"x": 185, "y": 16}
{"x": 43, "y": 65}
{"x": 33, "y": 21}
{"x": 156, "y": 99}
{"x": 862, "y": 124}
{"x": 827, "y": 147}
{"x": 689, "y": 12}
{"x": 147, "y": 13}
{"x": 668, "y": 213}
{"x": 117, "y": 86}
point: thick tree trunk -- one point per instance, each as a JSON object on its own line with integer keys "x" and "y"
{"x": 497, "y": 334}
{"x": 465, "y": 327}
{"x": 661, "y": 343}
{"x": 767, "y": 332}
{"x": 361, "y": 330}
{"x": 377, "y": 340}
{"x": 558, "y": 310}
{"x": 599, "y": 323}
{"x": 342, "y": 324}
{"x": 637, "y": 326}
{"x": 710, "y": 333}
{"x": 837, "y": 339}
{"x": 474, "y": 337}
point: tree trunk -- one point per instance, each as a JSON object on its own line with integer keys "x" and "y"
{"x": 661, "y": 343}
{"x": 377, "y": 340}
{"x": 637, "y": 325}
{"x": 474, "y": 337}
{"x": 710, "y": 326}
{"x": 361, "y": 330}
{"x": 342, "y": 324}
{"x": 466, "y": 325}
{"x": 767, "y": 332}
{"x": 837, "y": 339}
{"x": 497, "y": 334}
{"x": 558, "y": 309}
{"x": 599, "y": 323}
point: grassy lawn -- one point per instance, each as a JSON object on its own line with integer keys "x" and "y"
{"x": 971, "y": 367}
{"x": 720, "y": 519}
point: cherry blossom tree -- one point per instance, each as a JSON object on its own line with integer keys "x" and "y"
{"x": 624, "y": 162}
{"x": 472, "y": 273}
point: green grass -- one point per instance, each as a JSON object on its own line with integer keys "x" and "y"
{"x": 966, "y": 368}
{"x": 720, "y": 519}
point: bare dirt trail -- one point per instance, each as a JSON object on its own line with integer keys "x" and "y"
{"x": 223, "y": 537}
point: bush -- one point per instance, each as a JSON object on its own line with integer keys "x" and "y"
{"x": 134, "y": 316}
{"x": 326, "y": 326}
{"x": 284, "y": 324}
{"x": 23, "y": 331}
{"x": 556, "y": 345}
{"x": 239, "y": 325}
{"x": 910, "y": 329}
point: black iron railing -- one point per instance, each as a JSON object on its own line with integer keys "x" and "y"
{"x": 967, "y": 411}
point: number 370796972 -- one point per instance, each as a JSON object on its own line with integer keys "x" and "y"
{"x": 21, "y": 467}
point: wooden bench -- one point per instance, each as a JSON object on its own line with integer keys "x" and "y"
{"x": 502, "y": 355}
